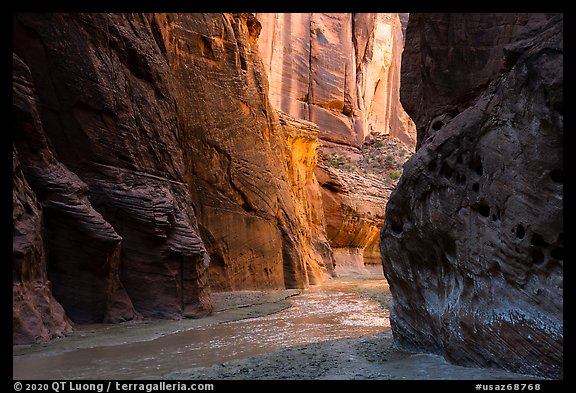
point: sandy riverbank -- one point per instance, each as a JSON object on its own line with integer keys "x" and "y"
{"x": 228, "y": 307}
{"x": 365, "y": 358}
{"x": 356, "y": 307}
{"x": 369, "y": 357}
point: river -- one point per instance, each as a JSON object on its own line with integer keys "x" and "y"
{"x": 355, "y": 308}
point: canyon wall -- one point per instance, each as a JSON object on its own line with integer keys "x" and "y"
{"x": 301, "y": 152}
{"x": 354, "y": 208}
{"x": 356, "y": 184}
{"x": 149, "y": 167}
{"x": 37, "y": 316}
{"x": 248, "y": 215}
{"x": 472, "y": 245}
{"x": 96, "y": 134}
{"x": 340, "y": 71}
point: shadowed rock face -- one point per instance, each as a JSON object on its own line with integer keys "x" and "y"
{"x": 472, "y": 245}
{"x": 37, "y": 316}
{"x": 102, "y": 153}
{"x": 128, "y": 129}
{"x": 85, "y": 263}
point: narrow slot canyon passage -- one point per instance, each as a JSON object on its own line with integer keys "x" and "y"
{"x": 327, "y": 196}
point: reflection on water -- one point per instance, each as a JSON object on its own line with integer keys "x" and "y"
{"x": 328, "y": 312}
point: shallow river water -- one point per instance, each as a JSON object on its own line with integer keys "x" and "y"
{"x": 321, "y": 313}
{"x": 337, "y": 310}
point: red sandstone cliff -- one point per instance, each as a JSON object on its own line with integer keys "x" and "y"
{"x": 340, "y": 71}
{"x": 149, "y": 166}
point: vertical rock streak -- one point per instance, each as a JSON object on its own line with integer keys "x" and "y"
{"x": 341, "y": 71}
{"x": 346, "y": 86}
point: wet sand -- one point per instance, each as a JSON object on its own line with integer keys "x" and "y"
{"x": 228, "y": 307}
{"x": 339, "y": 330}
{"x": 133, "y": 350}
{"x": 366, "y": 358}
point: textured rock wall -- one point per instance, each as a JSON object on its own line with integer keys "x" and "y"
{"x": 84, "y": 266}
{"x": 472, "y": 246}
{"x": 354, "y": 208}
{"x": 249, "y": 217}
{"x": 340, "y": 71}
{"x": 150, "y": 145}
{"x": 378, "y": 45}
{"x": 301, "y": 152}
{"x": 103, "y": 156}
{"x": 37, "y": 316}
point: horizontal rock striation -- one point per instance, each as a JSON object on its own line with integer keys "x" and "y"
{"x": 354, "y": 208}
{"x": 159, "y": 169}
{"x": 106, "y": 164}
{"x": 36, "y": 315}
{"x": 472, "y": 246}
